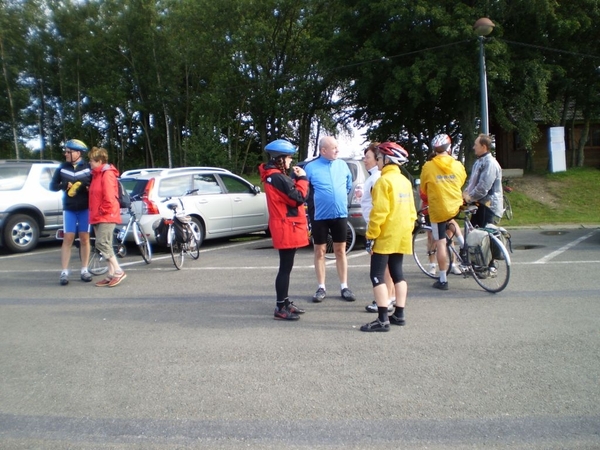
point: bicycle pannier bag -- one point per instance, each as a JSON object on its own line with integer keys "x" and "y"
{"x": 160, "y": 231}
{"x": 181, "y": 230}
{"x": 124, "y": 198}
{"x": 504, "y": 237}
{"x": 478, "y": 243}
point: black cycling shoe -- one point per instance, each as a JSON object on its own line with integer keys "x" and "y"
{"x": 347, "y": 295}
{"x": 394, "y": 320}
{"x": 285, "y": 314}
{"x": 441, "y": 286}
{"x": 376, "y": 325}
{"x": 295, "y": 310}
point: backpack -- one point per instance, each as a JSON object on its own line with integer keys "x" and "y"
{"x": 124, "y": 198}
{"x": 478, "y": 243}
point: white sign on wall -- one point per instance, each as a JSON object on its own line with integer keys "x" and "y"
{"x": 557, "y": 149}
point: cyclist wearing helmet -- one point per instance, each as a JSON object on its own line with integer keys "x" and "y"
{"x": 442, "y": 179}
{"x": 389, "y": 233}
{"x": 331, "y": 181}
{"x": 485, "y": 184}
{"x": 74, "y": 177}
{"x": 366, "y": 204}
{"x": 287, "y": 219}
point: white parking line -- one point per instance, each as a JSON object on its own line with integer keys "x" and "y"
{"x": 564, "y": 248}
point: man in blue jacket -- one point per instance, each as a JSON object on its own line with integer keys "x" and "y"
{"x": 331, "y": 181}
{"x": 74, "y": 177}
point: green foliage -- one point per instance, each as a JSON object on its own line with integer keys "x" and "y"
{"x": 574, "y": 195}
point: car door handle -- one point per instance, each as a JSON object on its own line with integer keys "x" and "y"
{"x": 202, "y": 201}
{"x": 237, "y": 199}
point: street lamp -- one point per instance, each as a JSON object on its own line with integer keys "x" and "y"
{"x": 482, "y": 28}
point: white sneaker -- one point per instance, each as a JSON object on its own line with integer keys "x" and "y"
{"x": 456, "y": 270}
{"x": 432, "y": 268}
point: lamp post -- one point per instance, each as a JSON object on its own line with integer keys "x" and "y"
{"x": 482, "y": 28}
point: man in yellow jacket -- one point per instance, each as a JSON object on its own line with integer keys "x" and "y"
{"x": 389, "y": 233}
{"x": 441, "y": 182}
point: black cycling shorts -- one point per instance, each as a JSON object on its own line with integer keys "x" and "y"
{"x": 337, "y": 228}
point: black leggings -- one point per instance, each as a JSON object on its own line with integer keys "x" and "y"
{"x": 378, "y": 264}
{"x": 282, "y": 282}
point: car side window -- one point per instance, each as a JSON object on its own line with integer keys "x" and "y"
{"x": 46, "y": 177}
{"x": 175, "y": 186}
{"x": 206, "y": 184}
{"x": 235, "y": 185}
{"x": 13, "y": 178}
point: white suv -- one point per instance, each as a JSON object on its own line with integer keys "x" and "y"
{"x": 220, "y": 203}
{"x": 28, "y": 208}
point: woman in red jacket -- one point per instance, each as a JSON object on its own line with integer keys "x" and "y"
{"x": 105, "y": 212}
{"x": 287, "y": 219}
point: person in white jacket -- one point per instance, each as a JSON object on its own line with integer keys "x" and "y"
{"x": 485, "y": 184}
{"x": 366, "y": 204}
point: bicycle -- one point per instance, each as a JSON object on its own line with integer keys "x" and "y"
{"x": 489, "y": 267}
{"x": 182, "y": 238}
{"x": 424, "y": 249}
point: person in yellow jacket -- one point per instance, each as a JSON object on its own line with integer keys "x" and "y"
{"x": 389, "y": 233}
{"x": 442, "y": 179}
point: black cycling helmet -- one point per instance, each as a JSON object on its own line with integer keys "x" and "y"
{"x": 280, "y": 147}
{"x": 77, "y": 145}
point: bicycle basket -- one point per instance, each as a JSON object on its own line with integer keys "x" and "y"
{"x": 182, "y": 230}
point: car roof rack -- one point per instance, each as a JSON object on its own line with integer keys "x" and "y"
{"x": 44, "y": 161}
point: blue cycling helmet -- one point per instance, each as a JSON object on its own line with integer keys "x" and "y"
{"x": 280, "y": 147}
{"x": 77, "y": 145}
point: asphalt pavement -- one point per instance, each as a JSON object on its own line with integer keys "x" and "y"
{"x": 193, "y": 358}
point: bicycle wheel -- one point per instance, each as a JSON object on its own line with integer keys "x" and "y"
{"x": 494, "y": 277}
{"x": 142, "y": 242}
{"x": 350, "y": 241}
{"x": 97, "y": 264}
{"x": 424, "y": 252}
{"x": 176, "y": 249}
{"x": 508, "y": 212}
{"x": 193, "y": 245}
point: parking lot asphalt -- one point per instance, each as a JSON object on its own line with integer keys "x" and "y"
{"x": 193, "y": 358}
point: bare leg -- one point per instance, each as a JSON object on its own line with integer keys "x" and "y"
{"x": 389, "y": 283}
{"x": 320, "y": 262}
{"x": 84, "y": 242}
{"x": 65, "y": 250}
{"x": 341, "y": 263}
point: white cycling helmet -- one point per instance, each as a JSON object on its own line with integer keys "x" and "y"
{"x": 441, "y": 143}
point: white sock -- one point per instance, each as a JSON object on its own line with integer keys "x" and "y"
{"x": 322, "y": 286}
{"x": 343, "y": 285}
{"x": 65, "y": 272}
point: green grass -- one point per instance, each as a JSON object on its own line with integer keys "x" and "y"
{"x": 576, "y": 194}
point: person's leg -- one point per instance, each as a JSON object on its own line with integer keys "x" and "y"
{"x": 69, "y": 230}
{"x": 319, "y": 236}
{"x": 285, "y": 309}
{"x": 341, "y": 263}
{"x": 397, "y": 274}
{"x": 376, "y": 273}
{"x": 438, "y": 231}
{"x": 339, "y": 232}
{"x": 83, "y": 219}
{"x": 65, "y": 251}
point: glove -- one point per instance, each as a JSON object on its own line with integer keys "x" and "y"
{"x": 369, "y": 245}
{"x": 73, "y": 189}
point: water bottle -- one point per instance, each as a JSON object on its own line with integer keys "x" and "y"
{"x": 121, "y": 234}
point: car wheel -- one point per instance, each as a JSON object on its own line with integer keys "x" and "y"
{"x": 198, "y": 230}
{"x": 21, "y": 233}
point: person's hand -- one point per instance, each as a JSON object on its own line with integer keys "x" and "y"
{"x": 299, "y": 171}
{"x": 369, "y": 246}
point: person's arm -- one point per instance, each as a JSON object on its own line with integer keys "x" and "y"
{"x": 294, "y": 192}
{"x": 56, "y": 184}
{"x": 380, "y": 211}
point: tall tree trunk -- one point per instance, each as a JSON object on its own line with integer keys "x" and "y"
{"x": 13, "y": 119}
